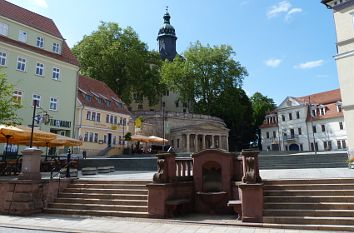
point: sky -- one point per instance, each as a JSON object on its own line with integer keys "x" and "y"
{"x": 287, "y": 46}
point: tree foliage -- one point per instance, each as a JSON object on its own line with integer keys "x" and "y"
{"x": 261, "y": 105}
{"x": 8, "y": 108}
{"x": 117, "y": 57}
{"x": 204, "y": 75}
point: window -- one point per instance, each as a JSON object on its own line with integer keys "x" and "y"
{"x": 114, "y": 140}
{"x": 21, "y": 64}
{"x": 327, "y": 145}
{"x": 88, "y": 115}
{"x": 322, "y": 111}
{"x": 91, "y": 137}
{"x": 323, "y": 127}
{"x": 17, "y": 96}
{"x": 115, "y": 120}
{"x": 314, "y": 129}
{"x": 177, "y": 104}
{"x": 56, "y": 48}
{"x": 86, "y": 137}
{"x": 56, "y": 73}
{"x": 313, "y": 112}
{"x": 299, "y": 131}
{"x": 339, "y": 106}
{"x": 341, "y": 144}
{"x": 344, "y": 144}
{"x": 39, "y": 69}
{"x": 290, "y": 116}
{"x": 98, "y": 117}
{"x": 93, "y": 116}
{"x": 104, "y": 138}
{"x": 341, "y": 125}
{"x": 96, "y": 137}
{"x": 297, "y": 115}
{"x": 301, "y": 147}
{"x": 178, "y": 143}
{"x": 40, "y": 42}
{"x": 274, "y": 134}
{"x": 36, "y": 100}
{"x": 4, "y": 29}
{"x": 282, "y": 117}
{"x": 53, "y": 104}
{"x": 88, "y": 97}
{"x": 111, "y": 119}
{"x": 22, "y": 36}
{"x": 267, "y": 134}
{"x": 3, "y": 56}
{"x": 107, "y": 118}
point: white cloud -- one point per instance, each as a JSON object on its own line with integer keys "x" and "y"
{"x": 292, "y": 12}
{"x": 310, "y": 64}
{"x": 281, "y": 7}
{"x": 273, "y": 62}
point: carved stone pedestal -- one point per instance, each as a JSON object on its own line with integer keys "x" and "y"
{"x": 31, "y": 164}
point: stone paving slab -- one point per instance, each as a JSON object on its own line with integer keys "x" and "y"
{"x": 58, "y": 223}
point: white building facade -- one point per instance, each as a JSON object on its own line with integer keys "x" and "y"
{"x": 309, "y": 123}
{"x": 343, "y": 11}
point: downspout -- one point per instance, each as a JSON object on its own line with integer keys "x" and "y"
{"x": 76, "y": 90}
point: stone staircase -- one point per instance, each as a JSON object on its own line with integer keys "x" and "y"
{"x": 326, "y": 204}
{"x": 102, "y": 198}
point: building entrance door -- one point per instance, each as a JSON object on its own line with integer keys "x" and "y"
{"x": 109, "y": 141}
{"x": 294, "y": 147}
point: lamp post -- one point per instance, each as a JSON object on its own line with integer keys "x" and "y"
{"x": 45, "y": 117}
{"x": 32, "y": 126}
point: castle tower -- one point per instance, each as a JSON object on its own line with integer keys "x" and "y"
{"x": 167, "y": 39}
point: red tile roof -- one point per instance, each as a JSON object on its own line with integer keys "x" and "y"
{"x": 29, "y": 18}
{"x": 91, "y": 87}
{"x": 325, "y": 97}
{"x": 44, "y": 24}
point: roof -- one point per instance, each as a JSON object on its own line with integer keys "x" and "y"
{"x": 34, "y": 20}
{"x": 29, "y": 18}
{"x": 322, "y": 97}
{"x": 89, "y": 85}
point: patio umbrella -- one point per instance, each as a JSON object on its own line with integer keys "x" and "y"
{"x": 140, "y": 138}
{"x": 157, "y": 139}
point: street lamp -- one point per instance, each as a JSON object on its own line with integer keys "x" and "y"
{"x": 45, "y": 118}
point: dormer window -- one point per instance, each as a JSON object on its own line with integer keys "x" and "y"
{"x": 339, "y": 106}
{"x": 108, "y": 103}
{"x": 313, "y": 110}
{"x": 88, "y": 97}
{"x": 322, "y": 110}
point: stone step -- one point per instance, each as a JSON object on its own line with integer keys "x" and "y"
{"x": 313, "y": 206}
{"x": 311, "y": 181}
{"x": 309, "y": 186}
{"x": 135, "y": 182}
{"x": 309, "y": 220}
{"x": 309, "y": 199}
{"x": 308, "y": 192}
{"x": 97, "y": 207}
{"x": 306, "y": 212}
{"x": 305, "y": 227}
{"x": 107, "y": 186}
{"x": 111, "y": 191}
{"x": 107, "y": 196}
{"x": 97, "y": 213}
{"x": 102, "y": 201}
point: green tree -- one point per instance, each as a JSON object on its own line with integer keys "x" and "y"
{"x": 117, "y": 57}
{"x": 205, "y": 73}
{"x": 8, "y": 108}
{"x": 261, "y": 105}
{"x": 235, "y": 108}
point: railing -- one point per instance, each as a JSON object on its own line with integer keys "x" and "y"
{"x": 184, "y": 169}
{"x": 291, "y": 137}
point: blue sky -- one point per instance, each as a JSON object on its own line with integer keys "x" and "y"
{"x": 287, "y": 46}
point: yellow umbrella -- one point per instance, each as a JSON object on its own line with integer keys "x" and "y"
{"x": 11, "y": 134}
{"x": 157, "y": 139}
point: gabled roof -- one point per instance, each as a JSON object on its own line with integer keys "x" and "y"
{"x": 34, "y": 20}
{"x": 29, "y": 18}
{"x": 324, "y": 98}
{"x": 89, "y": 85}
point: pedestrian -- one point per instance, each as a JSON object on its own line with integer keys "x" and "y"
{"x": 84, "y": 154}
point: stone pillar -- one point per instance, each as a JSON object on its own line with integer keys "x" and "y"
{"x": 212, "y": 141}
{"x": 203, "y": 138}
{"x": 31, "y": 164}
{"x": 227, "y": 143}
{"x": 188, "y": 146}
{"x": 166, "y": 165}
{"x": 251, "y": 196}
{"x": 196, "y": 143}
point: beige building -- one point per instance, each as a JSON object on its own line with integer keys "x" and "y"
{"x": 186, "y": 132}
{"x": 102, "y": 118}
{"x": 343, "y": 11}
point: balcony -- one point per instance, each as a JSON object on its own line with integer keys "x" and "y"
{"x": 292, "y": 137}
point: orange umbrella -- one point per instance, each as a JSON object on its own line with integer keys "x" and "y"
{"x": 140, "y": 138}
{"x": 157, "y": 139}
